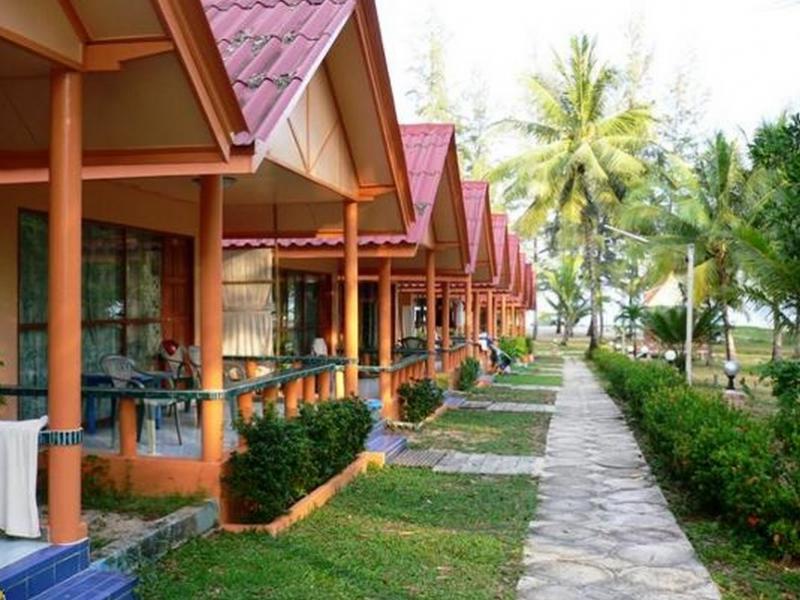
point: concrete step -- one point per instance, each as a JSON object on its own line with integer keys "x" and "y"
{"x": 42, "y": 570}
{"x": 92, "y": 584}
{"x": 389, "y": 444}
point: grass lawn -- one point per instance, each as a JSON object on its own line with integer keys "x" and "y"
{"x": 485, "y": 433}
{"x": 503, "y": 394}
{"x": 534, "y": 379}
{"x": 394, "y": 533}
{"x": 740, "y": 567}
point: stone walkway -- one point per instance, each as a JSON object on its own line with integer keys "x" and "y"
{"x": 516, "y": 407}
{"x": 529, "y": 388}
{"x": 450, "y": 461}
{"x": 603, "y": 530}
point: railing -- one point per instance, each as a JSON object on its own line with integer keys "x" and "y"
{"x": 311, "y": 383}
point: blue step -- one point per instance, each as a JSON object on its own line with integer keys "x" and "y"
{"x": 42, "y": 570}
{"x": 389, "y": 444}
{"x": 92, "y": 584}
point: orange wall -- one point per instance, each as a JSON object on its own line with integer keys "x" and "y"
{"x": 120, "y": 203}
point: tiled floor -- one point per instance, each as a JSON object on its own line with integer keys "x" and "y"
{"x": 13, "y": 549}
{"x": 166, "y": 438}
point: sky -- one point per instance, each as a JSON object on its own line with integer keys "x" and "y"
{"x": 742, "y": 52}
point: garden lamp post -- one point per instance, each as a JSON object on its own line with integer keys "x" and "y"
{"x": 670, "y": 356}
{"x": 689, "y": 293}
{"x": 731, "y": 368}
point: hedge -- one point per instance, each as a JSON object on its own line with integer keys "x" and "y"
{"x": 287, "y": 459}
{"x": 731, "y": 464}
{"x": 419, "y": 399}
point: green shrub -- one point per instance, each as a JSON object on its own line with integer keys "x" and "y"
{"x": 530, "y": 345}
{"x": 287, "y": 459}
{"x": 337, "y": 431}
{"x": 730, "y": 463}
{"x": 515, "y": 347}
{"x": 419, "y": 399}
{"x": 468, "y": 374}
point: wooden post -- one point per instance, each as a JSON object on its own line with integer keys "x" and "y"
{"x": 476, "y": 323}
{"x": 271, "y": 395}
{"x": 430, "y": 313}
{"x": 211, "y": 314}
{"x": 64, "y": 306}
{"x": 351, "y": 296}
{"x": 446, "y": 358}
{"x": 385, "y": 337}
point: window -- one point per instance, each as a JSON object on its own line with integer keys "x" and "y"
{"x": 122, "y": 291}
{"x": 299, "y": 314}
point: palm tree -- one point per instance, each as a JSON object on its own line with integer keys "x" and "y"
{"x": 564, "y": 283}
{"x": 632, "y": 316}
{"x": 581, "y": 156}
{"x": 668, "y": 326}
{"x": 709, "y": 205}
{"x": 773, "y": 281}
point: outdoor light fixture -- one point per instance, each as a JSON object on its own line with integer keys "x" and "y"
{"x": 617, "y": 346}
{"x": 731, "y": 368}
{"x": 670, "y": 356}
{"x": 644, "y": 351}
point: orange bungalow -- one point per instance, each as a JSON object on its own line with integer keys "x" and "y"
{"x": 434, "y": 250}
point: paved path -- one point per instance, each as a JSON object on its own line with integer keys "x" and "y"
{"x": 529, "y": 388}
{"x": 516, "y": 407}
{"x": 603, "y": 530}
{"x": 450, "y": 461}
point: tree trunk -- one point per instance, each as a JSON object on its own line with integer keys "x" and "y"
{"x": 777, "y": 335}
{"x": 590, "y": 271}
{"x": 797, "y": 331}
{"x": 730, "y": 345}
{"x": 558, "y": 324}
{"x": 567, "y": 332}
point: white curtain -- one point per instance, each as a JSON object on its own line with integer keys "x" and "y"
{"x": 248, "y": 303}
{"x": 408, "y": 321}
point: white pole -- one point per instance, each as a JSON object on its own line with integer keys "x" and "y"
{"x": 689, "y": 310}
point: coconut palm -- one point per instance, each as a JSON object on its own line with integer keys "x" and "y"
{"x": 710, "y": 204}
{"x": 632, "y": 316}
{"x": 581, "y": 156}
{"x": 668, "y": 326}
{"x": 565, "y": 284}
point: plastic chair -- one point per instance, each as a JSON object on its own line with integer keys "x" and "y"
{"x": 123, "y": 372}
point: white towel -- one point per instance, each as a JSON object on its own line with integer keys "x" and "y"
{"x": 19, "y": 456}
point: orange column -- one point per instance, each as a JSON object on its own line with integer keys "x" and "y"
{"x": 476, "y": 317}
{"x": 271, "y": 395}
{"x": 324, "y": 384}
{"x": 310, "y": 390}
{"x": 491, "y": 316}
{"x": 469, "y": 321}
{"x": 64, "y": 308}
{"x": 385, "y": 337}
{"x": 291, "y": 392}
{"x": 351, "y": 296}
{"x": 446, "y": 327}
{"x": 504, "y": 316}
{"x": 211, "y": 313}
{"x": 127, "y": 427}
{"x": 245, "y": 401}
{"x": 430, "y": 316}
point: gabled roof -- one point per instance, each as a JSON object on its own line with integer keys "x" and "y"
{"x": 500, "y": 230}
{"x": 426, "y": 150}
{"x": 271, "y": 48}
{"x": 475, "y": 195}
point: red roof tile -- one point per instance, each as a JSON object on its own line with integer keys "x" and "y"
{"x": 513, "y": 257}
{"x": 426, "y": 148}
{"x": 270, "y": 49}
{"x": 500, "y": 229}
{"x": 474, "y": 205}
